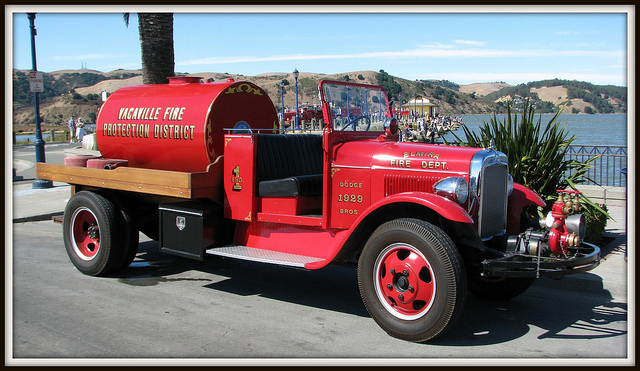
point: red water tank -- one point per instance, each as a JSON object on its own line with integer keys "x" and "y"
{"x": 181, "y": 125}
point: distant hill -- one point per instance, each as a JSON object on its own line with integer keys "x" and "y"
{"x": 77, "y": 92}
{"x": 483, "y": 88}
{"x": 576, "y": 96}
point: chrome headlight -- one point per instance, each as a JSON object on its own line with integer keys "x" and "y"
{"x": 455, "y": 188}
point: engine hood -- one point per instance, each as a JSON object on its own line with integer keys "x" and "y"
{"x": 424, "y": 158}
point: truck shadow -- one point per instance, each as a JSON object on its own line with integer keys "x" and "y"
{"x": 550, "y": 310}
{"x": 333, "y": 288}
{"x": 576, "y": 307}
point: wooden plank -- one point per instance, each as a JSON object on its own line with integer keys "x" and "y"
{"x": 149, "y": 181}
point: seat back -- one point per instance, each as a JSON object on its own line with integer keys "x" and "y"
{"x": 287, "y": 155}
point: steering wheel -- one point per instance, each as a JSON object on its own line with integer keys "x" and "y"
{"x": 354, "y": 123}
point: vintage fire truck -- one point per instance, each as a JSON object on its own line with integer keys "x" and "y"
{"x": 204, "y": 169}
{"x": 307, "y": 113}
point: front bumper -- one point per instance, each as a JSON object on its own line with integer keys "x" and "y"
{"x": 583, "y": 258}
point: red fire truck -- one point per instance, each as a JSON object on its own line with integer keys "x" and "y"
{"x": 307, "y": 113}
{"x": 203, "y": 169}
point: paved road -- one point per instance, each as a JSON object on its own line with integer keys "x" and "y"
{"x": 24, "y": 157}
{"x": 222, "y": 309}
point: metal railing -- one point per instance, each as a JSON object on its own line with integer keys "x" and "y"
{"x": 605, "y": 170}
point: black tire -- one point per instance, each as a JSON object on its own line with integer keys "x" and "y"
{"x": 90, "y": 233}
{"x": 500, "y": 288}
{"x": 412, "y": 279}
{"x": 130, "y": 241}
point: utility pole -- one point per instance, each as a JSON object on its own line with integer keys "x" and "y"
{"x": 39, "y": 143}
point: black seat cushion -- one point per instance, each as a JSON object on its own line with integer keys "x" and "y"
{"x": 303, "y": 185}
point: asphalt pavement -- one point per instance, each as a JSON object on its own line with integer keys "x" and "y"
{"x": 581, "y": 316}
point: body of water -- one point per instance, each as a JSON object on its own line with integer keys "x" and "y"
{"x": 589, "y": 130}
{"x": 46, "y": 134}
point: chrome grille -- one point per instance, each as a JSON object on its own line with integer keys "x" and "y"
{"x": 493, "y": 196}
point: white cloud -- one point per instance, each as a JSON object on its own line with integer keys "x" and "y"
{"x": 421, "y": 52}
{"x": 471, "y": 42}
{"x": 435, "y": 45}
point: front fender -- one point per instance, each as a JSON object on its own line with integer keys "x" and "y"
{"x": 519, "y": 198}
{"x": 361, "y": 229}
{"x": 442, "y": 206}
{"x": 523, "y": 196}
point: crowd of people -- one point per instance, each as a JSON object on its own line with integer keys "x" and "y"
{"x": 427, "y": 128}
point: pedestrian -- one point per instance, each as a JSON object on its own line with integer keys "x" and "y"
{"x": 72, "y": 129}
{"x": 80, "y": 131}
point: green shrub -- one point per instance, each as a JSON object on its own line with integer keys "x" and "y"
{"x": 537, "y": 159}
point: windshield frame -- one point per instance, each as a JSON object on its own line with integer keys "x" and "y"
{"x": 328, "y": 111}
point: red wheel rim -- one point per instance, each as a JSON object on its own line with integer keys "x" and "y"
{"x": 85, "y": 233}
{"x": 404, "y": 281}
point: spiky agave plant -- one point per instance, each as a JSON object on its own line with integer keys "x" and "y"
{"x": 536, "y": 154}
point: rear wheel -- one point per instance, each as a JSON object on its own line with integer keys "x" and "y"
{"x": 89, "y": 229}
{"x": 412, "y": 279}
{"x": 130, "y": 240}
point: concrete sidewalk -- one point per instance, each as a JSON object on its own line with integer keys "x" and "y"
{"x": 38, "y": 204}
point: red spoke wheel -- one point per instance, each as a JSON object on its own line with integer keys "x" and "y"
{"x": 404, "y": 281}
{"x": 85, "y": 234}
{"x": 90, "y": 233}
{"x": 412, "y": 279}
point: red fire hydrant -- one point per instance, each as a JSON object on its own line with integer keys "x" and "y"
{"x": 560, "y": 239}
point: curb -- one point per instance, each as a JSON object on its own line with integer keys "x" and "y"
{"x": 37, "y": 218}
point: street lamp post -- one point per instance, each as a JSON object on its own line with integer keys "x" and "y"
{"x": 39, "y": 143}
{"x": 282, "y": 101}
{"x": 295, "y": 75}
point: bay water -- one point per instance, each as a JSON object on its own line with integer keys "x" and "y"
{"x": 589, "y": 130}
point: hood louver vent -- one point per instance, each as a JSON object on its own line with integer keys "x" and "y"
{"x": 408, "y": 183}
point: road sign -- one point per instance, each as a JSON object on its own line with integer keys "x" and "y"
{"x": 36, "y": 82}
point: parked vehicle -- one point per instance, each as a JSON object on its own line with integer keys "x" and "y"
{"x": 204, "y": 169}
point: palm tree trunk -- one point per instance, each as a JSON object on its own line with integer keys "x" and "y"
{"x": 156, "y": 42}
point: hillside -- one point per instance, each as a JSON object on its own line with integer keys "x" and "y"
{"x": 483, "y": 88}
{"x": 78, "y": 93}
{"x": 575, "y": 96}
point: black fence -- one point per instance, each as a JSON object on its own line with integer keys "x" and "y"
{"x": 606, "y": 169}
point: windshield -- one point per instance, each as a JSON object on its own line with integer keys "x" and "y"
{"x": 355, "y": 107}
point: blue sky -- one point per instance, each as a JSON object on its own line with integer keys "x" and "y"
{"x": 515, "y": 45}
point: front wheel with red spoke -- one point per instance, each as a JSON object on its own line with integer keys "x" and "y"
{"x": 89, "y": 230}
{"x": 412, "y": 279}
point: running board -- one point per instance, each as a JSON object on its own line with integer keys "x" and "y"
{"x": 263, "y": 256}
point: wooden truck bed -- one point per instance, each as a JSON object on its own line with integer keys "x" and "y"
{"x": 148, "y": 181}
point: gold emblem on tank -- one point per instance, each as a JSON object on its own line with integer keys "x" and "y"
{"x": 209, "y": 141}
{"x": 246, "y": 88}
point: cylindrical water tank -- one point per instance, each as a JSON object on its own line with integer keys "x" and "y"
{"x": 181, "y": 125}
